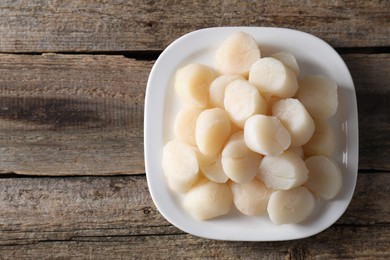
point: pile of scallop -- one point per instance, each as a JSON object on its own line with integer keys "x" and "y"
{"x": 253, "y": 135}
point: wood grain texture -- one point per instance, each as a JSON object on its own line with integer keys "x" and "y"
{"x": 83, "y": 114}
{"x": 62, "y": 26}
{"x": 335, "y": 243}
{"x": 79, "y": 118}
{"x": 373, "y": 97}
{"x": 76, "y": 217}
{"x": 71, "y": 115}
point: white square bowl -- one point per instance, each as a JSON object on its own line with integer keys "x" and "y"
{"x": 315, "y": 57}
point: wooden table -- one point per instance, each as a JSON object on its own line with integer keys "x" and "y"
{"x": 72, "y": 84}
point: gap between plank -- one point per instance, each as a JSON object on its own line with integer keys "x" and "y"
{"x": 137, "y": 55}
{"x": 11, "y": 175}
{"x": 150, "y": 55}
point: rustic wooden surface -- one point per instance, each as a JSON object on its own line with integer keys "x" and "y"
{"x": 72, "y": 85}
{"x": 72, "y": 114}
{"x": 44, "y": 26}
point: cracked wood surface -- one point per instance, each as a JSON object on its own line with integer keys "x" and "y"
{"x": 48, "y": 26}
{"x": 71, "y": 126}
{"x": 83, "y": 114}
{"x": 72, "y": 114}
{"x": 80, "y": 215}
{"x": 337, "y": 242}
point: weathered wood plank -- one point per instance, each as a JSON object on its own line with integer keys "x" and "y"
{"x": 71, "y": 115}
{"x": 47, "y": 26}
{"x": 371, "y": 74}
{"x": 61, "y": 208}
{"x": 52, "y": 209}
{"x": 366, "y": 208}
{"x": 83, "y": 114}
{"x": 338, "y": 242}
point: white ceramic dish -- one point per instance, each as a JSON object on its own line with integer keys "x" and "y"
{"x": 314, "y": 56}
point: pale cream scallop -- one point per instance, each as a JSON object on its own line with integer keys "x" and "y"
{"x": 237, "y": 54}
{"x": 281, "y": 135}
{"x": 242, "y": 100}
{"x": 325, "y": 178}
{"x": 211, "y": 167}
{"x": 283, "y": 172}
{"x": 272, "y": 77}
{"x": 208, "y": 200}
{"x": 296, "y": 119}
{"x": 217, "y": 89}
{"x": 266, "y": 135}
{"x": 288, "y": 59}
{"x": 192, "y": 84}
{"x": 239, "y": 163}
{"x": 251, "y": 198}
{"x": 185, "y": 123}
{"x": 319, "y": 95}
{"x": 180, "y": 165}
{"x": 322, "y": 142}
{"x": 212, "y": 130}
{"x": 290, "y": 206}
